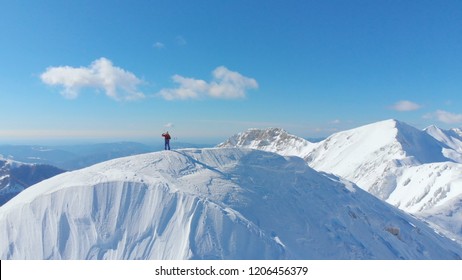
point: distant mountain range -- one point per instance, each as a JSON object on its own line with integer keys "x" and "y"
{"x": 16, "y": 177}
{"x": 72, "y": 157}
{"x": 416, "y": 170}
{"x": 33, "y": 163}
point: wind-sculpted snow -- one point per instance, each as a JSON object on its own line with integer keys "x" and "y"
{"x": 223, "y": 203}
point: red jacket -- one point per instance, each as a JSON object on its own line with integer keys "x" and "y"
{"x": 166, "y": 135}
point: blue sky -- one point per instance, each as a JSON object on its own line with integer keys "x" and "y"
{"x": 204, "y": 70}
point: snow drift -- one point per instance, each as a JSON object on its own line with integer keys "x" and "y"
{"x": 209, "y": 204}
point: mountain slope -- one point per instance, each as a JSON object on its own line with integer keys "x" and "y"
{"x": 433, "y": 192}
{"x": 447, "y": 218}
{"x": 402, "y": 165}
{"x": 271, "y": 140}
{"x": 373, "y": 155}
{"x": 417, "y": 171}
{"x": 421, "y": 188}
{"x": 451, "y": 138}
{"x": 16, "y": 176}
{"x": 209, "y": 204}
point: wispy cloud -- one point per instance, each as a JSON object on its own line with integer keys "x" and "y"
{"x": 158, "y": 45}
{"x": 445, "y": 117}
{"x": 405, "y": 105}
{"x": 116, "y": 82}
{"x": 226, "y": 84}
{"x": 169, "y": 125}
{"x": 180, "y": 40}
{"x": 337, "y": 121}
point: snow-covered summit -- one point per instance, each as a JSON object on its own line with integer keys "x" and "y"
{"x": 372, "y": 155}
{"x": 272, "y": 140}
{"x": 222, "y": 203}
{"x": 451, "y": 138}
{"x": 390, "y": 138}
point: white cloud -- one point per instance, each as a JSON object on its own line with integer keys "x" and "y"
{"x": 180, "y": 40}
{"x": 445, "y": 117}
{"x": 405, "y": 105}
{"x": 226, "y": 84}
{"x": 169, "y": 125}
{"x": 116, "y": 82}
{"x": 188, "y": 89}
{"x": 159, "y": 45}
{"x": 229, "y": 84}
{"x": 337, "y": 121}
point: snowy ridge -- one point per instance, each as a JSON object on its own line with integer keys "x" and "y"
{"x": 222, "y": 203}
{"x": 271, "y": 140}
{"x": 451, "y": 138}
{"x": 373, "y": 155}
{"x": 16, "y": 176}
{"x": 415, "y": 170}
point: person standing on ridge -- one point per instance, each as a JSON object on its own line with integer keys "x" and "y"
{"x": 167, "y": 140}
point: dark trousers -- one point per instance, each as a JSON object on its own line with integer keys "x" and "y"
{"x": 167, "y": 144}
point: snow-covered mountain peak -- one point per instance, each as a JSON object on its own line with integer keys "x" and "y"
{"x": 452, "y": 138}
{"x": 272, "y": 140}
{"x": 382, "y": 158}
{"x": 402, "y": 141}
{"x": 4, "y": 162}
{"x": 372, "y": 155}
{"x": 432, "y": 128}
{"x": 208, "y": 204}
{"x": 418, "y": 145}
{"x": 16, "y": 176}
{"x": 458, "y": 131}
